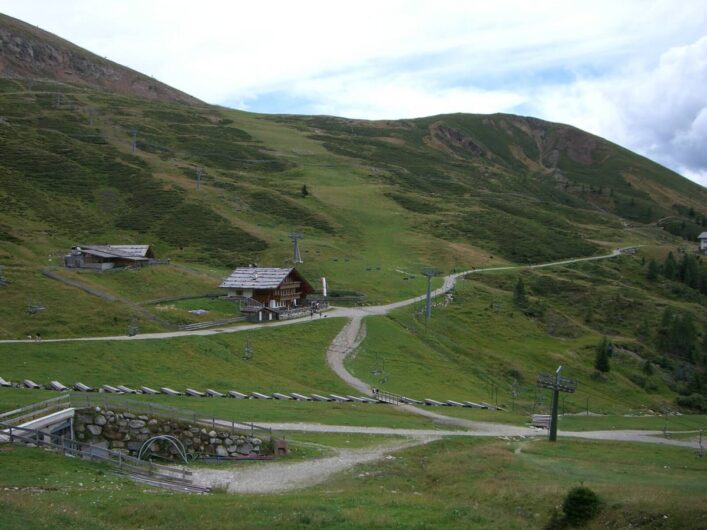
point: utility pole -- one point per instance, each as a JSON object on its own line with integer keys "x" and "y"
{"x": 557, "y": 384}
{"x": 295, "y": 237}
{"x": 247, "y": 351}
{"x": 429, "y": 273}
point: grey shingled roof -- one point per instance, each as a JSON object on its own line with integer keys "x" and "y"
{"x": 703, "y": 235}
{"x": 116, "y": 251}
{"x": 255, "y": 278}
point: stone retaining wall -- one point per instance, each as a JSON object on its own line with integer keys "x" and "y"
{"x": 126, "y": 432}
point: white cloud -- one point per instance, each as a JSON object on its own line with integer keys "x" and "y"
{"x": 659, "y": 110}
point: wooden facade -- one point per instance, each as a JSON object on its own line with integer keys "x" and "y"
{"x": 277, "y": 290}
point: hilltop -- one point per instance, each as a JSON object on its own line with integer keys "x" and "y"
{"x": 28, "y": 52}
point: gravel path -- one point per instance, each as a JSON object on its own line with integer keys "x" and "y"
{"x": 487, "y": 429}
{"x": 278, "y": 477}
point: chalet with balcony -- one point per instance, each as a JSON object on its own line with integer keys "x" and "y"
{"x": 268, "y": 293}
{"x": 703, "y": 243}
{"x": 105, "y": 257}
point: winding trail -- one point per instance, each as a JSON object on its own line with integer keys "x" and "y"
{"x": 336, "y": 312}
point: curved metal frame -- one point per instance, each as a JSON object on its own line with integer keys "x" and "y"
{"x": 178, "y": 445}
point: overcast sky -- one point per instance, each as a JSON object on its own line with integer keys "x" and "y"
{"x": 634, "y": 72}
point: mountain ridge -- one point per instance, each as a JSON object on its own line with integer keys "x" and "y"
{"x": 28, "y": 52}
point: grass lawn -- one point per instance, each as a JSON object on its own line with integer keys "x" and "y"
{"x": 285, "y": 359}
{"x": 447, "y": 484}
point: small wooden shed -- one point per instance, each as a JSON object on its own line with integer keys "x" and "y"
{"x": 105, "y": 257}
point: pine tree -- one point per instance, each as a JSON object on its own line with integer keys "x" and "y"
{"x": 652, "y": 272}
{"x": 519, "y": 298}
{"x": 601, "y": 362}
{"x": 604, "y": 349}
{"x": 648, "y": 367}
{"x": 670, "y": 267}
{"x": 304, "y": 190}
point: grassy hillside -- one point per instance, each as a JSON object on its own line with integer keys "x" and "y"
{"x": 487, "y": 347}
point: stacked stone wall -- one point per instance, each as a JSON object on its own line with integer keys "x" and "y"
{"x": 126, "y": 432}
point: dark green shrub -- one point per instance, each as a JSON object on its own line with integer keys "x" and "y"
{"x": 693, "y": 401}
{"x": 580, "y": 505}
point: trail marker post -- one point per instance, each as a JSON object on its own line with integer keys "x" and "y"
{"x": 557, "y": 384}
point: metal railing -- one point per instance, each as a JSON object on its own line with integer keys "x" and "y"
{"x": 35, "y": 410}
{"x": 387, "y": 397}
{"x": 109, "y": 401}
{"x": 67, "y": 446}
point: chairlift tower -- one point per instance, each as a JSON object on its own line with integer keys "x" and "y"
{"x": 133, "y": 143}
{"x": 295, "y": 237}
{"x": 429, "y": 274}
{"x": 247, "y": 351}
{"x": 557, "y": 384}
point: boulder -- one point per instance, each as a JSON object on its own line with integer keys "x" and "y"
{"x": 137, "y": 424}
{"x": 111, "y": 433}
{"x": 95, "y": 430}
{"x": 221, "y": 450}
{"x": 100, "y": 420}
{"x": 245, "y": 449}
{"x": 128, "y": 415}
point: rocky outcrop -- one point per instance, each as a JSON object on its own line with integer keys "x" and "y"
{"x": 454, "y": 138}
{"x": 125, "y": 431}
{"x": 27, "y": 52}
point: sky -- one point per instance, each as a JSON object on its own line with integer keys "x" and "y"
{"x": 634, "y": 72}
